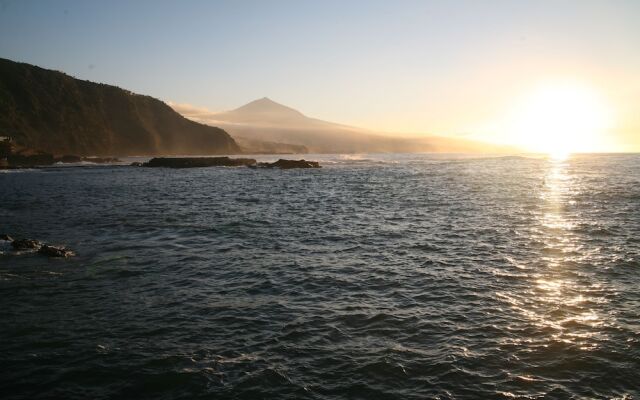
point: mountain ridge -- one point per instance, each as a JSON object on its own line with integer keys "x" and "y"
{"x": 54, "y": 112}
{"x": 266, "y": 120}
{"x": 265, "y": 104}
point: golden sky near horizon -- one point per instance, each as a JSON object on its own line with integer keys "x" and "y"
{"x": 553, "y": 76}
{"x": 550, "y": 109}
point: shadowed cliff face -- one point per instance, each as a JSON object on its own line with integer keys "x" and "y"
{"x": 54, "y": 112}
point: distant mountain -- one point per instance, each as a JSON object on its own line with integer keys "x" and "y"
{"x": 266, "y": 120}
{"x": 265, "y": 111}
{"x": 51, "y": 111}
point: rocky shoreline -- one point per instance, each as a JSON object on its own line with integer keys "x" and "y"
{"x": 13, "y": 156}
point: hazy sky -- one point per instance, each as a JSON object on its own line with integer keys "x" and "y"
{"x": 447, "y": 67}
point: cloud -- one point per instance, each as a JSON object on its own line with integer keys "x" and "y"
{"x": 205, "y": 116}
{"x": 198, "y": 114}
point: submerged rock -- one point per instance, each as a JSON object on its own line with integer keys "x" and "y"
{"x": 198, "y": 162}
{"x": 289, "y": 164}
{"x": 55, "y": 251}
{"x": 41, "y": 248}
{"x": 26, "y": 244}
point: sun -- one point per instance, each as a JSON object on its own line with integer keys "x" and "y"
{"x": 561, "y": 118}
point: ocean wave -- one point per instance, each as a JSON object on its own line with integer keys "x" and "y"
{"x": 383, "y": 276}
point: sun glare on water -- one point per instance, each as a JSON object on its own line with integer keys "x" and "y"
{"x": 560, "y": 119}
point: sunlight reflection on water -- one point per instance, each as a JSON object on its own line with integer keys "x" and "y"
{"x": 561, "y": 301}
{"x": 388, "y": 276}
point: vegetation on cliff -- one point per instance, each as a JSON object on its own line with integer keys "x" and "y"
{"x": 56, "y": 113}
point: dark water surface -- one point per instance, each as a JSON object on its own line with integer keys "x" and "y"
{"x": 376, "y": 277}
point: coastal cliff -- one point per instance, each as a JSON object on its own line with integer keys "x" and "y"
{"x": 56, "y": 113}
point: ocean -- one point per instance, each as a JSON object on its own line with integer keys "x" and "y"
{"x": 375, "y": 277}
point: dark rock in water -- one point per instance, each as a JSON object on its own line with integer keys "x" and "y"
{"x": 100, "y": 160}
{"x": 54, "y": 251}
{"x": 6, "y": 238}
{"x": 30, "y": 159}
{"x": 289, "y": 164}
{"x": 68, "y": 159}
{"x": 32, "y": 244}
{"x": 136, "y": 164}
{"x": 198, "y": 162}
{"x": 14, "y": 156}
{"x": 26, "y": 244}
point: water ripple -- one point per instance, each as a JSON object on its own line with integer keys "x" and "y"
{"x": 378, "y": 276}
